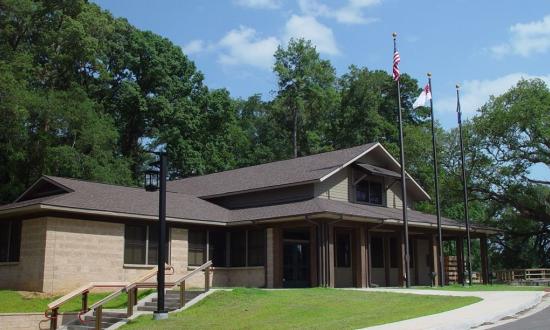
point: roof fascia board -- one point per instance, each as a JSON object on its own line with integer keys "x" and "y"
{"x": 407, "y": 174}
{"x": 349, "y": 162}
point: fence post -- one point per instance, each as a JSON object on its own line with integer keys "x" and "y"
{"x": 98, "y": 317}
{"x": 207, "y": 279}
{"x": 53, "y": 318}
{"x": 182, "y": 294}
{"x": 85, "y": 301}
{"x": 130, "y": 304}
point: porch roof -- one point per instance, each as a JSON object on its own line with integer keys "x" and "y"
{"x": 321, "y": 206}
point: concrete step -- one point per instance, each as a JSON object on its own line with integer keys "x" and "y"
{"x": 154, "y": 308}
{"x": 104, "y": 319}
{"x": 121, "y": 315}
{"x": 79, "y": 327}
{"x": 88, "y": 325}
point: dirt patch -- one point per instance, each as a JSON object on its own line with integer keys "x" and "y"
{"x": 31, "y": 294}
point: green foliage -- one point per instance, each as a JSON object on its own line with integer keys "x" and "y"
{"x": 84, "y": 95}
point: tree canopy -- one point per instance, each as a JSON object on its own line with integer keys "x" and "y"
{"x": 85, "y": 95}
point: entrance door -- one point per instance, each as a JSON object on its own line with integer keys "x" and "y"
{"x": 296, "y": 258}
{"x": 343, "y": 262}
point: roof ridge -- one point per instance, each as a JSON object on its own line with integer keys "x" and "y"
{"x": 276, "y": 161}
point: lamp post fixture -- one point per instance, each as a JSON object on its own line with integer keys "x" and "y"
{"x": 156, "y": 180}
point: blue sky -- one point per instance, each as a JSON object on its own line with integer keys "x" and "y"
{"x": 486, "y": 46}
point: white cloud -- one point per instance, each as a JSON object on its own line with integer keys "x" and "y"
{"x": 243, "y": 47}
{"x": 259, "y": 4}
{"x": 194, "y": 46}
{"x": 309, "y": 28}
{"x": 350, "y": 13}
{"x": 526, "y": 39}
{"x": 475, "y": 93}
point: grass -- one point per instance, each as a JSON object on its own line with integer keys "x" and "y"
{"x": 482, "y": 287}
{"x": 28, "y": 302}
{"x": 301, "y": 309}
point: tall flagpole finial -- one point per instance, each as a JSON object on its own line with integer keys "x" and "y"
{"x": 429, "y": 74}
{"x": 394, "y": 35}
{"x": 457, "y": 86}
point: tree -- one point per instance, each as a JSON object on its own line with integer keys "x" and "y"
{"x": 510, "y": 137}
{"x": 306, "y": 93}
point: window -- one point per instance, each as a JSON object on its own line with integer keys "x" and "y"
{"x": 377, "y": 252}
{"x": 197, "y": 247}
{"x": 141, "y": 245}
{"x": 256, "y": 247}
{"x": 369, "y": 192}
{"x": 238, "y": 248}
{"x": 10, "y": 240}
{"x": 343, "y": 250}
{"x": 216, "y": 247}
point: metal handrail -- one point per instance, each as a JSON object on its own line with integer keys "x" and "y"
{"x": 207, "y": 264}
{"x": 84, "y": 290}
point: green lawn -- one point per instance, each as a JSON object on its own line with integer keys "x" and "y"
{"x": 16, "y": 302}
{"x": 482, "y": 287}
{"x": 301, "y": 309}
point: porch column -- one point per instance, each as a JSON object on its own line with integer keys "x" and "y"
{"x": 434, "y": 258}
{"x": 460, "y": 258}
{"x": 331, "y": 257}
{"x": 269, "y": 263}
{"x": 361, "y": 257}
{"x": 484, "y": 259}
{"x": 313, "y": 251}
{"x": 325, "y": 254}
{"x": 277, "y": 258}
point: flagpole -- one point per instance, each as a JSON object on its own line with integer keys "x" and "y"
{"x": 403, "y": 178}
{"x": 465, "y": 187}
{"x": 436, "y": 182}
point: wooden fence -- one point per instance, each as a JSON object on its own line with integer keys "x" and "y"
{"x": 524, "y": 275}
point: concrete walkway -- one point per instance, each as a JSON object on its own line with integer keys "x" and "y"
{"x": 495, "y": 306}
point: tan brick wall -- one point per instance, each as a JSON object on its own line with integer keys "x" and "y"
{"x": 27, "y": 273}
{"x": 60, "y": 254}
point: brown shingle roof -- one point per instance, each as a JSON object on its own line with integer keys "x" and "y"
{"x": 98, "y": 197}
{"x": 280, "y": 173}
{"x": 322, "y": 205}
{"x": 112, "y": 198}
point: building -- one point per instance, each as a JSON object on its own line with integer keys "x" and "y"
{"x": 331, "y": 219}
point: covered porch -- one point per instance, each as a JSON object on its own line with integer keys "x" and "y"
{"x": 332, "y": 252}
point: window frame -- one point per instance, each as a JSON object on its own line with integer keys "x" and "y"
{"x": 228, "y": 247}
{"x": 18, "y": 227}
{"x": 147, "y": 240}
{"x": 368, "y": 182}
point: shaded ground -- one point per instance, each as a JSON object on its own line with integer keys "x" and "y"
{"x": 301, "y": 309}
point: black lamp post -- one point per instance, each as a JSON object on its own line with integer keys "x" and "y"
{"x": 153, "y": 181}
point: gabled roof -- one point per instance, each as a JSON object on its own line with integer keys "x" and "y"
{"x": 297, "y": 171}
{"x": 98, "y": 197}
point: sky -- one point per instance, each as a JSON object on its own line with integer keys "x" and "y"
{"x": 485, "y": 46}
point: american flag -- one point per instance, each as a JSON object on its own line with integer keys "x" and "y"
{"x": 396, "y": 60}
